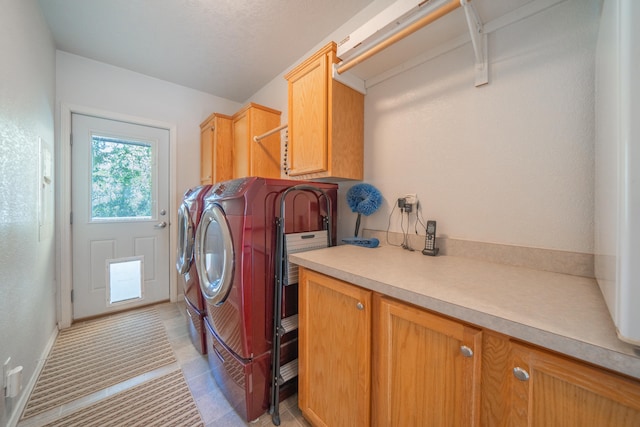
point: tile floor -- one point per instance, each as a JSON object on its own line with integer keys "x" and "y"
{"x": 214, "y": 408}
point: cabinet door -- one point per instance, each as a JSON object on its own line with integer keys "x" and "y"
{"x": 334, "y": 356}
{"x": 251, "y": 158}
{"x": 265, "y": 153}
{"x": 241, "y": 153}
{"x": 426, "y": 369}
{"x": 308, "y": 109}
{"x": 551, "y": 390}
{"x": 222, "y": 147}
{"x": 206, "y": 153}
{"x": 215, "y": 149}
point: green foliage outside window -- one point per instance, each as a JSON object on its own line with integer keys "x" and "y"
{"x": 121, "y": 179}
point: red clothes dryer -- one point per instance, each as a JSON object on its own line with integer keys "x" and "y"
{"x": 189, "y": 215}
{"x": 235, "y": 255}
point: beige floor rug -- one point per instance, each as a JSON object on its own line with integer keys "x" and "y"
{"x": 93, "y": 355}
{"x": 164, "y": 401}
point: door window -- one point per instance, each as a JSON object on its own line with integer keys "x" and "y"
{"x": 185, "y": 240}
{"x": 214, "y": 255}
{"x": 121, "y": 179}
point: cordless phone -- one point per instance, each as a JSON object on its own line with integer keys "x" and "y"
{"x": 430, "y": 240}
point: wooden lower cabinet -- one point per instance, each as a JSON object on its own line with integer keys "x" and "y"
{"x": 334, "y": 351}
{"x": 525, "y": 385}
{"x": 366, "y": 359}
{"x": 552, "y": 390}
{"x": 496, "y": 377}
{"x": 426, "y": 369}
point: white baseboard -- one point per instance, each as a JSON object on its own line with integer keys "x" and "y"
{"x": 26, "y": 392}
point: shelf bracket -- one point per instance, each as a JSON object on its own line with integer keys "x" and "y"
{"x": 431, "y": 12}
{"x": 479, "y": 42}
{"x": 348, "y": 79}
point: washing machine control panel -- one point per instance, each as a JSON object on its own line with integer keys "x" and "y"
{"x": 230, "y": 188}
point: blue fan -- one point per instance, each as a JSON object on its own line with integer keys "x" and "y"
{"x": 363, "y": 199}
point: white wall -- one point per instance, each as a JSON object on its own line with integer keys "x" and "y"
{"x": 27, "y": 258}
{"x": 87, "y": 85}
{"x": 511, "y": 162}
{"x": 84, "y": 82}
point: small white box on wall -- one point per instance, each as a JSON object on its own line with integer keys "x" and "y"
{"x": 45, "y": 191}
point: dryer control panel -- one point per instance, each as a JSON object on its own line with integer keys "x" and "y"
{"x": 231, "y": 188}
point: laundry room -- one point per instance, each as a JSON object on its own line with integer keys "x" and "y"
{"x": 467, "y": 193}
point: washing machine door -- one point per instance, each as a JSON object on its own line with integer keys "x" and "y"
{"x": 186, "y": 236}
{"x": 214, "y": 255}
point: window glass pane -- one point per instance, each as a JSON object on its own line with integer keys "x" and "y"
{"x": 214, "y": 254}
{"x": 121, "y": 178}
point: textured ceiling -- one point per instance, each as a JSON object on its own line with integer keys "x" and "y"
{"x": 228, "y": 48}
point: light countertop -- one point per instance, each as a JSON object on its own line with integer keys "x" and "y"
{"x": 560, "y": 312}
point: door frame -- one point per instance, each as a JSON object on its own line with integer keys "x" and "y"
{"x": 65, "y": 253}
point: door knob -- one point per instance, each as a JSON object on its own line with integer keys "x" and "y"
{"x": 162, "y": 224}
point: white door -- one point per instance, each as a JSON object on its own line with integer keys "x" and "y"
{"x": 120, "y": 215}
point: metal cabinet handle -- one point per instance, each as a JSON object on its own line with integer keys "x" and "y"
{"x": 162, "y": 224}
{"x": 360, "y": 306}
{"x": 466, "y": 351}
{"x": 520, "y": 374}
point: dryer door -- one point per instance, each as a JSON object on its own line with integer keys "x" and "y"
{"x": 214, "y": 255}
{"x": 185, "y": 239}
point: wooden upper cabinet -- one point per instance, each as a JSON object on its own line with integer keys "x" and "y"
{"x": 206, "y": 154}
{"x": 326, "y": 121}
{"x": 252, "y": 158}
{"x": 552, "y": 390}
{"x": 334, "y": 351}
{"x": 426, "y": 368}
{"x": 215, "y": 149}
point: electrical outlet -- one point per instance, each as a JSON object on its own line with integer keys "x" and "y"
{"x": 408, "y": 202}
{"x": 404, "y": 205}
{"x": 411, "y": 198}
